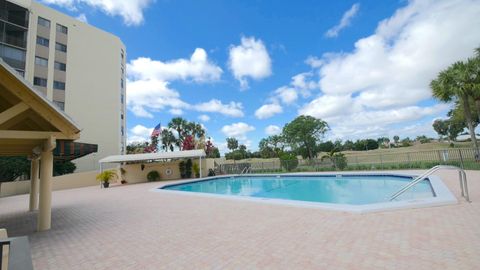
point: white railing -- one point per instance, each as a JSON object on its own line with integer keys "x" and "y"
{"x": 461, "y": 174}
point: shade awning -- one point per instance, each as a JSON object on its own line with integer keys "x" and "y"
{"x": 70, "y": 150}
{"x": 153, "y": 156}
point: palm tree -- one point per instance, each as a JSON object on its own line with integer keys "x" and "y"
{"x": 335, "y": 157}
{"x": 179, "y": 124}
{"x": 473, "y": 77}
{"x": 168, "y": 140}
{"x": 454, "y": 83}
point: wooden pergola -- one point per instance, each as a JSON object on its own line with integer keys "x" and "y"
{"x": 30, "y": 125}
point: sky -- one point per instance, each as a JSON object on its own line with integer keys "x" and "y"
{"x": 246, "y": 68}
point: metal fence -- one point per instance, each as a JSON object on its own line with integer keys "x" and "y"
{"x": 462, "y": 157}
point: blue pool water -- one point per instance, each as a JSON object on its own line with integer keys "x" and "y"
{"x": 346, "y": 189}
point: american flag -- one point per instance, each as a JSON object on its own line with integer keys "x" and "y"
{"x": 157, "y": 130}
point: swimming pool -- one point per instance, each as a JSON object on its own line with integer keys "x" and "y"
{"x": 350, "y": 192}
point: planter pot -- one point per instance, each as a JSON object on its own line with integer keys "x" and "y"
{"x": 106, "y": 184}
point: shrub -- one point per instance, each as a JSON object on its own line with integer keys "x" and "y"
{"x": 188, "y": 168}
{"x": 289, "y": 161}
{"x": 211, "y": 172}
{"x": 182, "y": 169}
{"x": 340, "y": 161}
{"x": 153, "y": 176}
{"x": 196, "y": 170}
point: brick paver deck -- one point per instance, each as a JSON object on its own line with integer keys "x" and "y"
{"x": 130, "y": 227}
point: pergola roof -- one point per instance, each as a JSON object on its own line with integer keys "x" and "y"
{"x": 27, "y": 117}
{"x": 154, "y": 156}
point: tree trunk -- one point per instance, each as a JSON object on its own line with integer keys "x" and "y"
{"x": 468, "y": 118}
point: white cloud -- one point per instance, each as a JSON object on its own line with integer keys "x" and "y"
{"x": 233, "y": 109}
{"x": 148, "y": 88}
{"x": 139, "y": 133}
{"x": 405, "y": 53}
{"x": 131, "y": 11}
{"x": 249, "y": 59}
{"x": 287, "y": 95}
{"x": 176, "y": 111}
{"x": 328, "y": 106}
{"x": 237, "y": 130}
{"x": 273, "y": 130}
{"x": 268, "y": 110}
{"x": 344, "y": 22}
{"x": 303, "y": 82}
{"x": 82, "y": 17}
{"x": 314, "y": 62}
{"x": 382, "y": 82}
{"x": 204, "y": 118}
{"x": 151, "y": 95}
{"x": 198, "y": 68}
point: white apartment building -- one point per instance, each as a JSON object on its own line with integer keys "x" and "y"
{"x": 79, "y": 67}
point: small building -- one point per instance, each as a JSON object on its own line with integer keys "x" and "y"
{"x": 135, "y": 167}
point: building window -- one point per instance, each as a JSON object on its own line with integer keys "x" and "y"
{"x": 62, "y": 29}
{"x": 60, "y": 47}
{"x": 40, "y": 81}
{"x": 13, "y": 13}
{"x": 43, "y": 41}
{"x": 121, "y": 82}
{"x": 60, "y": 104}
{"x": 58, "y": 85}
{"x": 13, "y": 35}
{"x": 121, "y": 98}
{"x": 122, "y": 131}
{"x": 13, "y": 56}
{"x": 60, "y": 66}
{"x": 43, "y": 22}
{"x": 121, "y": 116}
{"x": 41, "y": 61}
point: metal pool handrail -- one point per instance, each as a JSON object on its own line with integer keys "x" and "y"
{"x": 461, "y": 174}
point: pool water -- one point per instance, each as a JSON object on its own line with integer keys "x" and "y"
{"x": 356, "y": 190}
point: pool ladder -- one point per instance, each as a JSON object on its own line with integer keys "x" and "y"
{"x": 461, "y": 175}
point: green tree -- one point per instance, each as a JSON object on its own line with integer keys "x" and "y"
{"x": 289, "y": 161}
{"x": 456, "y": 83}
{"x": 179, "y": 124}
{"x": 168, "y": 140}
{"x": 441, "y": 127}
{"x": 396, "y": 139}
{"x": 454, "y": 129}
{"x": 348, "y": 145}
{"x": 271, "y": 146}
{"x": 13, "y": 167}
{"x": 339, "y": 161}
{"x": 326, "y": 146}
{"x": 303, "y": 133}
{"x": 232, "y": 144}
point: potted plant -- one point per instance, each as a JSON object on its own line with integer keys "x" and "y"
{"x": 106, "y": 176}
{"x": 153, "y": 176}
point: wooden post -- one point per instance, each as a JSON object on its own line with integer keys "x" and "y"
{"x": 34, "y": 184}
{"x": 46, "y": 175}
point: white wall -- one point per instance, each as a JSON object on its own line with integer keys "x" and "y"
{"x": 93, "y": 88}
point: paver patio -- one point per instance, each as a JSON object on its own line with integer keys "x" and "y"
{"x": 130, "y": 227}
